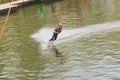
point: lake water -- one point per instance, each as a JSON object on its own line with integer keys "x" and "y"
{"x": 88, "y": 48}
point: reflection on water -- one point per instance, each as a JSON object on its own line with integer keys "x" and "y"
{"x": 60, "y": 57}
{"x": 95, "y": 55}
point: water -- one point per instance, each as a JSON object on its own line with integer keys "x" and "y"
{"x": 87, "y": 49}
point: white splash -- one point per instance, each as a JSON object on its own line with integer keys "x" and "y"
{"x": 44, "y": 34}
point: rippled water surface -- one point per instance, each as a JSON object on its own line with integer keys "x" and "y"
{"x": 87, "y": 49}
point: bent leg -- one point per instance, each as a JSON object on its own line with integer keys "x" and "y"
{"x": 53, "y": 37}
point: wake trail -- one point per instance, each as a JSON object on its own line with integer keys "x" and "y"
{"x": 44, "y": 34}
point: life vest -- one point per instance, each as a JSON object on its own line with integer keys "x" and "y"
{"x": 58, "y": 30}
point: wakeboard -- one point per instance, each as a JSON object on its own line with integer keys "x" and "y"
{"x": 51, "y": 44}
